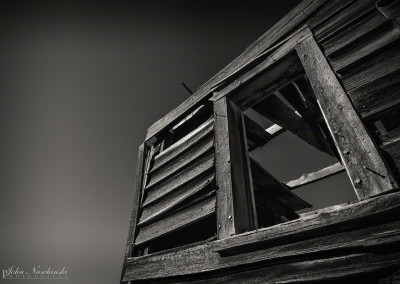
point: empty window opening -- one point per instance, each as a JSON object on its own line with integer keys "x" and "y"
{"x": 295, "y": 167}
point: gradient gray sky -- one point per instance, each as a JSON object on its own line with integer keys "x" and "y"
{"x": 80, "y": 84}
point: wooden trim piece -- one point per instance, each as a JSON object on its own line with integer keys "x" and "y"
{"x": 183, "y": 144}
{"x": 277, "y": 111}
{"x": 235, "y": 199}
{"x": 340, "y": 269}
{"x": 316, "y": 176}
{"x": 390, "y": 9}
{"x": 367, "y": 170}
{"x": 174, "y": 199}
{"x": 135, "y": 204}
{"x": 275, "y": 190}
{"x": 190, "y": 156}
{"x": 287, "y": 24}
{"x": 256, "y": 135}
{"x": 176, "y": 221}
{"x": 349, "y": 227}
{"x": 179, "y": 179}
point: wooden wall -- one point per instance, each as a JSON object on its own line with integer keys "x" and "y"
{"x": 357, "y": 242}
{"x": 362, "y": 44}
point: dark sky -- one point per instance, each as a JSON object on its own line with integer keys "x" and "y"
{"x": 80, "y": 84}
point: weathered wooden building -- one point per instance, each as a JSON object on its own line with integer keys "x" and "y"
{"x": 205, "y": 211}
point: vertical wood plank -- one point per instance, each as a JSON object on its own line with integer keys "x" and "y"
{"x": 235, "y": 198}
{"x": 136, "y": 204}
{"x": 367, "y": 170}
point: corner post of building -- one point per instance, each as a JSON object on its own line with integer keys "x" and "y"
{"x": 365, "y": 166}
{"x": 235, "y": 206}
{"x": 137, "y": 195}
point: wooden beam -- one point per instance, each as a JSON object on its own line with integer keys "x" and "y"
{"x": 277, "y": 111}
{"x": 351, "y": 268}
{"x": 347, "y": 228}
{"x": 235, "y": 198}
{"x": 137, "y": 192}
{"x": 176, "y": 221}
{"x": 316, "y": 176}
{"x": 367, "y": 170}
{"x": 256, "y": 135}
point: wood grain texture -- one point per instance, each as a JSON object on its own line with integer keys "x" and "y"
{"x": 346, "y": 16}
{"x": 176, "y": 221}
{"x": 316, "y": 176}
{"x": 135, "y": 204}
{"x": 182, "y": 145}
{"x": 378, "y": 95}
{"x": 175, "y": 199}
{"x": 327, "y": 12}
{"x": 273, "y": 189}
{"x": 287, "y": 24}
{"x": 367, "y": 170}
{"x": 351, "y": 57}
{"x": 353, "y": 32}
{"x": 179, "y": 179}
{"x": 235, "y": 198}
{"x": 256, "y": 135}
{"x": 353, "y": 267}
{"x": 341, "y": 228}
{"x": 378, "y": 66}
{"x": 191, "y": 155}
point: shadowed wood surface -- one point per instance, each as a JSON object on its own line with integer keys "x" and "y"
{"x": 179, "y": 179}
{"x": 175, "y": 199}
{"x": 185, "y": 160}
{"x": 183, "y": 144}
{"x": 176, "y": 221}
{"x": 344, "y": 228}
{"x": 235, "y": 198}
